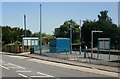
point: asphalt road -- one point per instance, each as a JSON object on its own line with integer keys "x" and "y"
{"x": 17, "y": 67}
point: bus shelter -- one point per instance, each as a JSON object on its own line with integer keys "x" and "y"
{"x": 28, "y": 42}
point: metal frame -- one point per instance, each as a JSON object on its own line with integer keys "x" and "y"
{"x": 92, "y": 41}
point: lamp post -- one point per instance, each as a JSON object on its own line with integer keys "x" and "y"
{"x": 80, "y": 37}
{"x": 25, "y": 24}
{"x": 70, "y": 37}
{"x": 92, "y": 41}
{"x": 40, "y": 30}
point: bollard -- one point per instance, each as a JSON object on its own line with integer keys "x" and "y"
{"x": 80, "y": 51}
{"x": 109, "y": 54}
{"x": 85, "y": 51}
{"x": 98, "y": 53}
{"x": 31, "y": 50}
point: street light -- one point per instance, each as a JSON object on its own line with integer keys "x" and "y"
{"x": 25, "y": 24}
{"x": 40, "y": 30}
{"x": 80, "y": 37}
{"x": 70, "y": 37}
{"x": 92, "y": 41}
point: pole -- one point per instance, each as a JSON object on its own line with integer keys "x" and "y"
{"x": 71, "y": 39}
{"x": 25, "y": 24}
{"x": 80, "y": 37}
{"x": 40, "y": 30}
{"x": 91, "y": 44}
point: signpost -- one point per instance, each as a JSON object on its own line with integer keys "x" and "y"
{"x": 103, "y": 44}
{"x": 92, "y": 41}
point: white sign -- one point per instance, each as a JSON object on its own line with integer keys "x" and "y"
{"x": 104, "y": 43}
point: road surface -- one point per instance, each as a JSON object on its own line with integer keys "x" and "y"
{"x": 18, "y": 67}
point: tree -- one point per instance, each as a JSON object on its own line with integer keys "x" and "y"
{"x": 64, "y": 31}
{"x": 45, "y": 37}
{"x": 10, "y": 35}
{"x": 104, "y": 24}
{"x": 104, "y": 16}
{"x": 37, "y": 34}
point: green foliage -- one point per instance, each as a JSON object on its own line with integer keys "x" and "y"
{"x": 64, "y": 31}
{"x": 10, "y": 35}
{"x": 45, "y": 37}
{"x": 17, "y": 42}
{"x": 1, "y": 42}
{"x": 37, "y": 34}
{"x": 49, "y": 36}
{"x": 104, "y": 17}
{"x": 104, "y": 24}
{"x": 76, "y": 44}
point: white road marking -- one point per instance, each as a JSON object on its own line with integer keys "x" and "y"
{"x": 1, "y": 61}
{"x": 14, "y": 67}
{"x": 45, "y": 74}
{"x": 20, "y": 72}
{"x": 96, "y": 71}
{"x": 6, "y": 64}
{"x": 22, "y": 75}
{"x": 4, "y": 67}
{"x": 23, "y": 71}
{"x": 38, "y": 76}
{"x": 17, "y": 66}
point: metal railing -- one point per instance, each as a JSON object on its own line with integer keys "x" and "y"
{"x": 84, "y": 56}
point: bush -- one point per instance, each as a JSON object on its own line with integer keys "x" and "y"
{"x": 17, "y": 42}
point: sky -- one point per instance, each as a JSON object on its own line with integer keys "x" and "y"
{"x": 54, "y": 14}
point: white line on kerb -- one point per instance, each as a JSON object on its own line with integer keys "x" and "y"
{"x": 45, "y": 74}
{"x": 4, "y": 67}
{"x": 22, "y": 75}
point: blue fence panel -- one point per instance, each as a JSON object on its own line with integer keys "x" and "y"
{"x": 60, "y": 45}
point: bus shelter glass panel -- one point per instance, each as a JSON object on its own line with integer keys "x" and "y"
{"x": 29, "y": 42}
